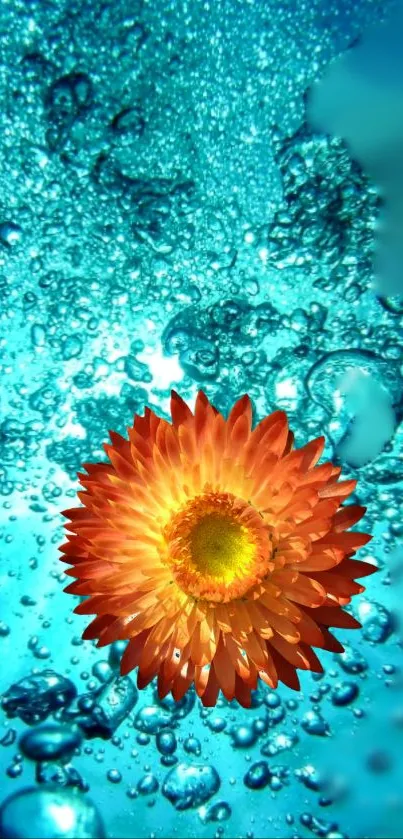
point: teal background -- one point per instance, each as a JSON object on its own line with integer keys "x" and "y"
{"x": 169, "y": 219}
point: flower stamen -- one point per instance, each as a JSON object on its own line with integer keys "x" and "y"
{"x": 212, "y": 552}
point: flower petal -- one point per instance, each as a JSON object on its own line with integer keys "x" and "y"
{"x": 180, "y": 411}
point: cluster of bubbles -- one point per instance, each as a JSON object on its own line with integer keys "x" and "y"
{"x": 61, "y": 724}
{"x": 167, "y": 218}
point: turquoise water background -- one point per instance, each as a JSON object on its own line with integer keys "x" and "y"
{"x": 168, "y": 218}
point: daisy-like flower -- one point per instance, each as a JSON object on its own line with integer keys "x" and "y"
{"x": 218, "y": 551}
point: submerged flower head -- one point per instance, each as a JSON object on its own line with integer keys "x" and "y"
{"x": 219, "y": 552}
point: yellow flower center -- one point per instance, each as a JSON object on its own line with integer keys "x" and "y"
{"x": 218, "y": 547}
{"x": 221, "y": 547}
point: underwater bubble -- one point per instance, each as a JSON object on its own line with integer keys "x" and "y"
{"x": 258, "y": 775}
{"x": 72, "y": 347}
{"x": 311, "y": 777}
{"x": 4, "y": 629}
{"x": 116, "y": 651}
{"x": 190, "y": 786}
{"x": 148, "y": 784}
{"x": 82, "y": 381}
{"x": 321, "y": 828}
{"x": 42, "y": 652}
{"x": 70, "y": 93}
{"x": 35, "y": 697}
{"x": 27, "y": 600}
{"x": 377, "y": 622}
{"x": 313, "y": 723}
{"x": 49, "y": 813}
{"x": 46, "y": 401}
{"x": 9, "y": 737}
{"x": 129, "y": 121}
{"x": 114, "y": 776}
{"x": 50, "y": 742}
{"x": 166, "y": 742}
{"x": 15, "y": 770}
{"x": 178, "y": 709}
{"x": 67, "y": 98}
{"x": 392, "y": 304}
{"x": 102, "y": 671}
{"x": 261, "y": 724}
{"x": 151, "y": 719}
{"x": 344, "y": 693}
{"x": 275, "y": 714}
{"x": 257, "y": 697}
{"x": 279, "y": 742}
{"x": 220, "y": 811}
{"x": 169, "y": 760}
{"x": 136, "y": 370}
{"x": 217, "y": 723}
{"x": 38, "y": 335}
{"x": 358, "y": 391}
{"x": 10, "y": 233}
{"x": 279, "y": 777}
{"x": 200, "y": 360}
{"x": 351, "y": 660}
{"x": 192, "y": 746}
{"x": 243, "y": 736}
{"x": 64, "y": 776}
{"x": 100, "y": 713}
{"x": 272, "y": 700}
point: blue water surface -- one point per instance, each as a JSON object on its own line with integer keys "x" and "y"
{"x": 168, "y": 218}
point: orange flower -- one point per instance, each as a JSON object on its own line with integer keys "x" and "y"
{"x": 220, "y": 552}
